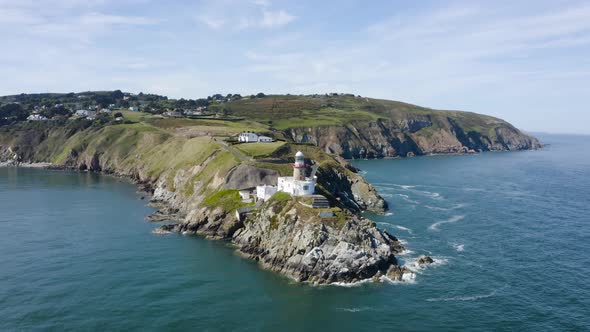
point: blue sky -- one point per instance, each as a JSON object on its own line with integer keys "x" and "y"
{"x": 527, "y": 62}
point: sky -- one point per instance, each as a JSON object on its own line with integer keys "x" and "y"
{"x": 527, "y": 62}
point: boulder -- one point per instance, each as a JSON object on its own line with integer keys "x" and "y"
{"x": 422, "y": 260}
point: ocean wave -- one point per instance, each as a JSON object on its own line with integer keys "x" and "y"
{"x": 403, "y": 228}
{"x": 357, "y": 309}
{"x": 431, "y": 194}
{"x": 454, "y": 207}
{"x": 453, "y": 219}
{"x": 459, "y": 247}
{"x": 407, "y": 279}
{"x": 395, "y": 185}
{"x": 351, "y": 284}
{"x": 407, "y": 199}
{"x": 405, "y": 252}
{"x": 388, "y": 214}
{"x": 462, "y": 298}
{"x": 412, "y": 263}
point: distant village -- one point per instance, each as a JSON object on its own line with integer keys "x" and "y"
{"x": 93, "y": 105}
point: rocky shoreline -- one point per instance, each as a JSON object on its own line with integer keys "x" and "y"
{"x": 305, "y": 249}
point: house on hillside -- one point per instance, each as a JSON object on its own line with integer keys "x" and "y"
{"x": 82, "y": 113}
{"x": 249, "y": 137}
{"x": 264, "y": 139}
{"x": 36, "y": 117}
{"x": 134, "y": 109}
{"x": 173, "y": 114}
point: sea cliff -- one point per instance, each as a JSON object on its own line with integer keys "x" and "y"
{"x": 192, "y": 182}
{"x": 193, "y": 175}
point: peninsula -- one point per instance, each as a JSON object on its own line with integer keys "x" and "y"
{"x": 266, "y": 172}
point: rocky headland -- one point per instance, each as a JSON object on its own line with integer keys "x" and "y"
{"x": 193, "y": 180}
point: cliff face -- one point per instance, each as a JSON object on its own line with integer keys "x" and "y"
{"x": 289, "y": 238}
{"x": 415, "y": 135}
{"x": 192, "y": 182}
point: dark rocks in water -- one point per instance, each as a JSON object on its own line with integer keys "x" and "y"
{"x": 163, "y": 215}
{"x": 422, "y": 260}
{"x": 396, "y": 272}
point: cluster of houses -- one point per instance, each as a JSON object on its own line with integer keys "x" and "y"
{"x": 186, "y": 112}
{"x": 250, "y": 137}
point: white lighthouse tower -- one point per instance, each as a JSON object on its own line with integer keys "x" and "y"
{"x": 299, "y": 184}
{"x": 299, "y": 166}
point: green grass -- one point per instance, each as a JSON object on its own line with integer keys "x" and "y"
{"x": 280, "y": 197}
{"x": 259, "y": 149}
{"x": 135, "y": 116}
{"x": 228, "y": 200}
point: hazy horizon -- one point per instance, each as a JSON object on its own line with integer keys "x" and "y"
{"x": 527, "y": 62}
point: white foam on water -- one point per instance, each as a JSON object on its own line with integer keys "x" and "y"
{"x": 395, "y": 185}
{"x": 351, "y": 284}
{"x": 459, "y": 247}
{"x": 357, "y": 309}
{"x": 388, "y": 214}
{"x": 412, "y": 263}
{"x": 403, "y": 228}
{"x": 454, "y": 207}
{"x": 405, "y": 252}
{"x": 407, "y": 199}
{"x": 407, "y": 279}
{"x": 462, "y": 298}
{"x": 434, "y": 227}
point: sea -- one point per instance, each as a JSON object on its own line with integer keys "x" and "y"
{"x": 509, "y": 233}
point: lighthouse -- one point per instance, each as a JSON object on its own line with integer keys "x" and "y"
{"x": 299, "y": 167}
{"x": 299, "y": 184}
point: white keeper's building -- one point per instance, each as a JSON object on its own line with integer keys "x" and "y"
{"x": 297, "y": 185}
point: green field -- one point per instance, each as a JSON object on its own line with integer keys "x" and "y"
{"x": 258, "y": 149}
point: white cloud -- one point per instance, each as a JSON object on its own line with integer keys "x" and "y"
{"x": 263, "y": 3}
{"x": 212, "y": 23}
{"x": 236, "y": 16}
{"x": 277, "y": 18}
{"x": 105, "y": 19}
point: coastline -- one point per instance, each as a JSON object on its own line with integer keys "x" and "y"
{"x": 395, "y": 274}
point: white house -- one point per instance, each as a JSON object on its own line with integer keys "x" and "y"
{"x": 82, "y": 113}
{"x": 134, "y": 109}
{"x": 36, "y": 117}
{"x": 264, "y": 139}
{"x": 248, "y": 137}
{"x": 244, "y": 194}
{"x": 265, "y": 192}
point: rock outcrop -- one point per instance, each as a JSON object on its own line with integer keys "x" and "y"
{"x": 291, "y": 239}
{"x": 413, "y": 136}
{"x": 424, "y": 260}
{"x": 248, "y": 176}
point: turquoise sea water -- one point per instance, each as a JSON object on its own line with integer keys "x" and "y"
{"x": 510, "y": 233}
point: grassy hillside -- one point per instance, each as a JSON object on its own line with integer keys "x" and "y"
{"x": 285, "y": 111}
